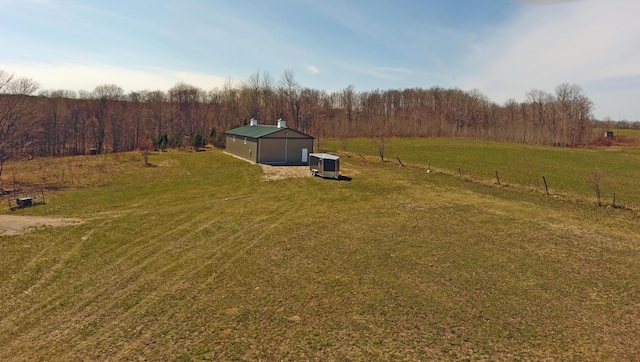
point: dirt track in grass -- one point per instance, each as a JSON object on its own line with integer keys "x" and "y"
{"x": 16, "y": 225}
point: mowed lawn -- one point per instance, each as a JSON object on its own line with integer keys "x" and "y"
{"x": 198, "y": 258}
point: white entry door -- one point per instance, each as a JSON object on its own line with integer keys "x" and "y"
{"x": 305, "y": 155}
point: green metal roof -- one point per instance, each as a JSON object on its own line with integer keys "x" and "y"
{"x": 253, "y": 131}
{"x": 258, "y": 131}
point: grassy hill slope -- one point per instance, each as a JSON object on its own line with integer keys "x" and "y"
{"x": 568, "y": 171}
{"x": 199, "y": 258}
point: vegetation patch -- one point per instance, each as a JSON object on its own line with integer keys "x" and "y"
{"x": 198, "y": 259}
{"x": 567, "y": 172}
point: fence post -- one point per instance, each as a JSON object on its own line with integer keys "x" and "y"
{"x": 546, "y": 188}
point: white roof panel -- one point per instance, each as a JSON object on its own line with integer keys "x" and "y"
{"x": 325, "y": 156}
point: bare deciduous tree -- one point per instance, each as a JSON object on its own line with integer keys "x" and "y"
{"x": 106, "y": 114}
{"x": 59, "y": 122}
{"x": 596, "y": 182}
{"x": 381, "y": 145}
{"x": 14, "y": 104}
{"x": 290, "y": 90}
{"x": 145, "y": 146}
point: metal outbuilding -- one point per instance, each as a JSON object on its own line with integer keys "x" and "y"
{"x": 267, "y": 144}
{"x": 324, "y": 165}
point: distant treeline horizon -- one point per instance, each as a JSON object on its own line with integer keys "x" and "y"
{"x": 62, "y": 122}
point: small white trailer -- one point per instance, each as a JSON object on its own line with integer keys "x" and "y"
{"x": 324, "y": 165}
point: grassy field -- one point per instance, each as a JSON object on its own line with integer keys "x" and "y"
{"x": 569, "y": 171}
{"x": 631, "y": 133}
{"x": 198, "y": 258}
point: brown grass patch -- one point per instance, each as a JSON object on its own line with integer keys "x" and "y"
{"x": 272, "y": 173}
{"x": 16, "y": 225}
{"x": 617, "y": 141}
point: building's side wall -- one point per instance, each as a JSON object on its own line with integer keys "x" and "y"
{"x": 287, "y": 151}
{"x": 285, "y": 147}
{"x": 244, "y": 147}
{"x": 294, "y": 150}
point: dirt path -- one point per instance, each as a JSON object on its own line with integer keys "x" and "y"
{"x": 271, "y": 173}
{"x": 16, "y": 225}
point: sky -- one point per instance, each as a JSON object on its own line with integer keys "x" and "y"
{"x": 502, "y": 48}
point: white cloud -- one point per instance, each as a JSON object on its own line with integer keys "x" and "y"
{"x": 86, "y": 77}
{"x": 313, "y": 70}
{"x": 580, "y": 42}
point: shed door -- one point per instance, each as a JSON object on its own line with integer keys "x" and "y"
{"x": 305, "y": 155}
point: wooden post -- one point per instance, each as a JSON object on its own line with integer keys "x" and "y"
{"x": 460, "y": 172}
{"x": 614, "y": 201}
{"x": 498, "y": 178}
{"x": 400, "y": 161}
{"x": 546, "y": 188}
{"x": 15, "y": 188}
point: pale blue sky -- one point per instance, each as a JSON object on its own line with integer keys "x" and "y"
{"x": 503, "y": 48}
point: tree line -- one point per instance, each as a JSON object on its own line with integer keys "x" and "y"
{"x": 62, "y": 122}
